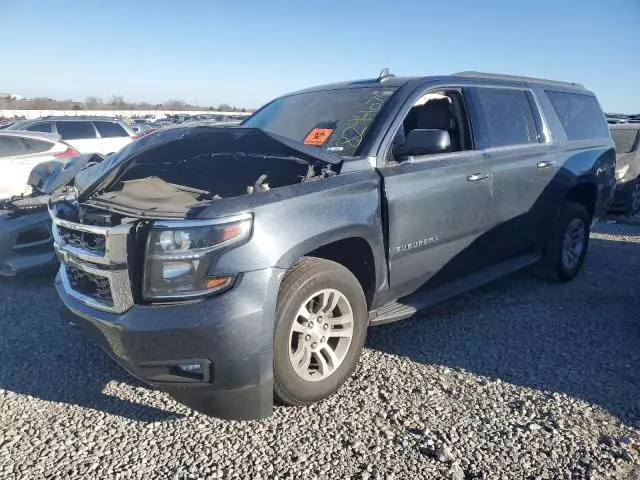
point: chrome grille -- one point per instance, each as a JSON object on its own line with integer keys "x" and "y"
{"x": 92, "y": 242}
{"x": 93, "y": 263}
{"x": 90, "y": 285}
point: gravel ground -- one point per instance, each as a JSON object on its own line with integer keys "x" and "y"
{"x": 520, "y": 379}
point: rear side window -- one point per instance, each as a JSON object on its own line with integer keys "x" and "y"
{"x": 10, "y": 146}
{"x": 580, "y": 115}
{"x": 625, "y": 139}
{"x": 76, "y": 130}
{"x": 40, "y": 127}
{"x": 505, "y": 118}
{"x": 37, "y": 146}
{"x": 110, "y": 129}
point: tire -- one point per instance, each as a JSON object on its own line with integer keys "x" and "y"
{"x": 632, "y": 197}
{"x": 307, "y": 286}
{"x": 554, "y": 264}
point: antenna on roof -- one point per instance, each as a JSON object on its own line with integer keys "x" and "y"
{"x": 384, "y": 74}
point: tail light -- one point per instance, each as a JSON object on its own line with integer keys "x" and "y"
{"x": 134, "y": 137}
{"x": 69, "y": 152}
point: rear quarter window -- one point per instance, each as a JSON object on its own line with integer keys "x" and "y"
{"x": 110, "y": 129}
{"x": 503, "y": 118}
{"x": 11, "y": 146}
{"x": 37, "y": 146}
{"x": 40, "y": 127}
{"x": 580, "y": 115}
{"x": 76, "y": 130}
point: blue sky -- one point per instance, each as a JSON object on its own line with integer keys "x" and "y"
{"x": 247, "y": 52}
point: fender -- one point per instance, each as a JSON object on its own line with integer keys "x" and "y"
{"x": 295, "y": 220}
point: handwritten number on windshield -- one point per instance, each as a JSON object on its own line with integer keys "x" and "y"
{"x": 356, "y": 127}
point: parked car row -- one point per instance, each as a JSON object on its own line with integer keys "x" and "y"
{"x": 86, "y": 134}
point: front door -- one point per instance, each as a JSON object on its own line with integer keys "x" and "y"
{"x": 439, "y": 207}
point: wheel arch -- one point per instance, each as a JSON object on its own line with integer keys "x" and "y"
{"x": 586, "y": 194}
{"x": 349, "y": 248}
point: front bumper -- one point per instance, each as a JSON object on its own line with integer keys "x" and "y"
{"x": 231, "y": 334}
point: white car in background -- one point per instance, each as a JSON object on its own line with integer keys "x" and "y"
{"x": 21, "y": 151}
{"x": 86, "y": 134}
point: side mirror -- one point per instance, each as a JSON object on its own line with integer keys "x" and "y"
{"x": 424, "y": 142}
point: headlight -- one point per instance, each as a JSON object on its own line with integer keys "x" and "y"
{"x": 621, "y": 172}
{"x": 179, "y": 254}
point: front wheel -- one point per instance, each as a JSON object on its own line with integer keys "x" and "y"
{"x": 567, "y": 248}
{"x": 321, "y": 321}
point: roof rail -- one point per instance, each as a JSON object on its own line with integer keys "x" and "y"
{"x": 514, "y": 78}
{"x": 67, "y": 117}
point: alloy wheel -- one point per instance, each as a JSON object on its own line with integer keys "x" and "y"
{"x": 573, "y": 243}
{"x": 320, "y": 335}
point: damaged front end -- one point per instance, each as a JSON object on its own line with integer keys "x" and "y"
{"x": 26, "y": 242}
{"x": 120, "y": 238}
{"x": 139, "y": 244}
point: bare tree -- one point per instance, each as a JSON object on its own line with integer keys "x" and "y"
{"x": 41, "y": 103}
{"x": 92, "y": 102}
{"x": 117, "y": 102}
{"x": 223, "y": 107}
{"x": 173, "y": 104}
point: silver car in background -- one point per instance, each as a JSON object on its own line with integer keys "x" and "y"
{"x": 20, "y": 151}
{"x": 626, "y": 136}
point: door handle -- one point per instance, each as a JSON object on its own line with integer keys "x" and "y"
{"x": 544, "y": 164}
{"x": 476, "y": 177}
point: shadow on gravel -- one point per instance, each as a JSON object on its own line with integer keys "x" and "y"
{"x": 581, "y": 338}
{"x": 44, "y": 357}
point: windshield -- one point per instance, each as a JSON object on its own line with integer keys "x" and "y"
{"x": 624, "y": 139}
{"x": 334, "y": 120}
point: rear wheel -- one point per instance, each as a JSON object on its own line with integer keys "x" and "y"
{"x": 321, "y": 320}
{"x": 567, "y": 248}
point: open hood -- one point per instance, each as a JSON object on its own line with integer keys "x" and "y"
{"x": 46, "y": 177}
{"x": 168, "y": 148}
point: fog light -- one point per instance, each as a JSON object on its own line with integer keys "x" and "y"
{"x": 191, "y": 368}
{"x": 175, "y": 270}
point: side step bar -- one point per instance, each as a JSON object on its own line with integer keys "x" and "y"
{"x": 409, "y": 305}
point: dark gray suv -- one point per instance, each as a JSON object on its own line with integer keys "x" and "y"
{"x": 229, "y": 265}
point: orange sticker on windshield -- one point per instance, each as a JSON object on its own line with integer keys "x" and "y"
{"x": 318, "y": 136}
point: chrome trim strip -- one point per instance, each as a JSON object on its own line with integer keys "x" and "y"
{"x": 115, "y": 241}
{"x": 120, "y": 230}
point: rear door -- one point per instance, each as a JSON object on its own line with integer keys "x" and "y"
{"x": 511, "y": 132}
{"x": 81, "y": 135}
{"x": 113, "y": 136}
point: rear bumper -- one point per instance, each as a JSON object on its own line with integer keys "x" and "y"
{"x": 25, "y": 244}
{"x": 230, "y": 336}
